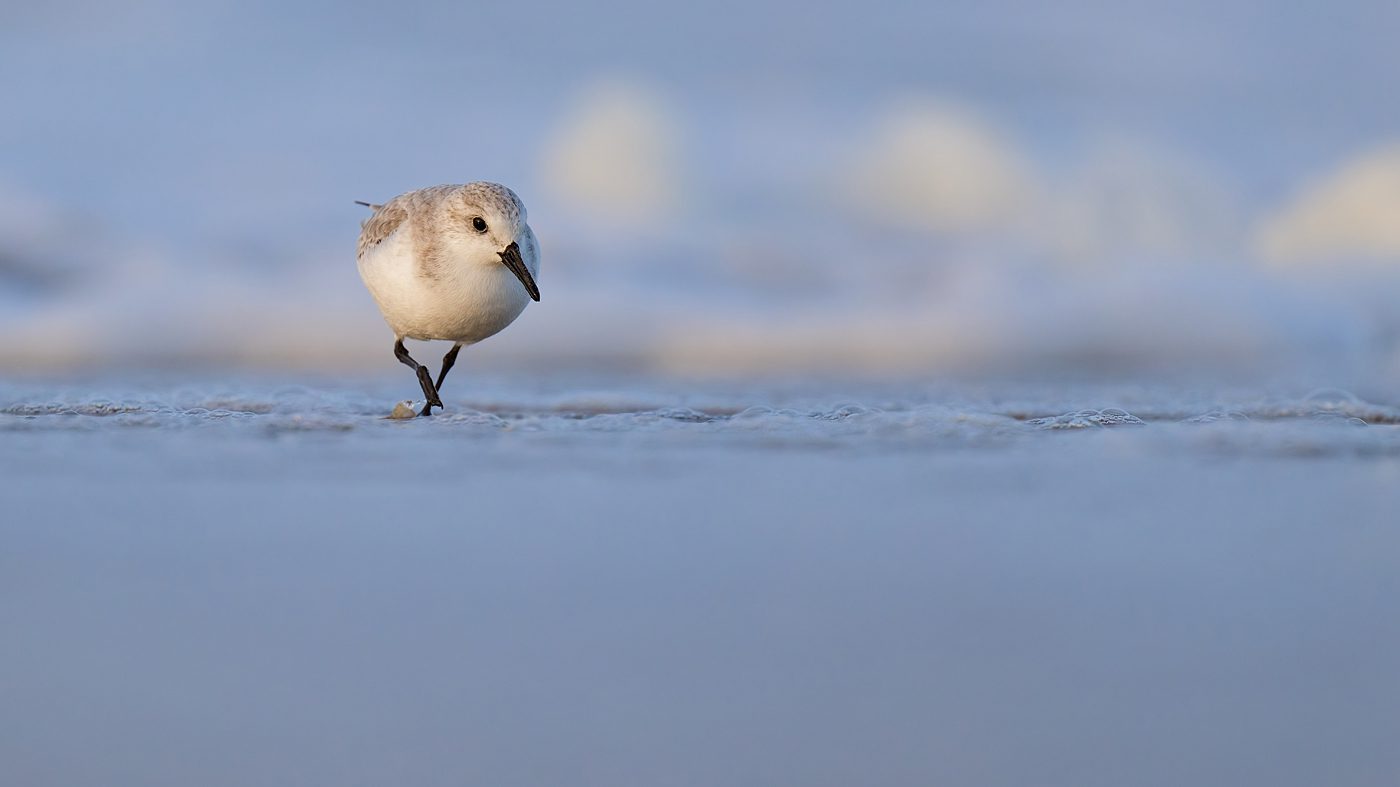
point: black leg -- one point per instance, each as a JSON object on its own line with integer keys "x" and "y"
{"x": 425, "y": 378}
{"x": 447, "y": 362}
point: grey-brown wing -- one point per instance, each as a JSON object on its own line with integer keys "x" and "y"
{"x": 381, "y": 225}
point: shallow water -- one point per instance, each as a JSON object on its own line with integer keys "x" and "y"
{"x": 612, "y": 415}
{"x": 631, "y": 580}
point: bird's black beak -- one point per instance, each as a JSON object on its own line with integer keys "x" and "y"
{"x": 511, "y": 258}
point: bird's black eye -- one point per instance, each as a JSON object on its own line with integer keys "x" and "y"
{"x": 479, "y": 224}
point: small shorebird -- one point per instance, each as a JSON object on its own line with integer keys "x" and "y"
{"x": 456, "y": 263}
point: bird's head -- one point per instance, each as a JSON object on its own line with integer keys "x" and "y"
{"x": 488, "y": 225}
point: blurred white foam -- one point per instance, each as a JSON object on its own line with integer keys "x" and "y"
{"x": 616, "y": 155}
{"x": 1131, "y": 201}
{"x": 76, "y": 293}
{"x": 1131, "y": 320}
{"x": 932, "y": 167}
{"x": 812, "y": 294}
{"x": 944, "y": 170}
{"x": 1351, "y": 214}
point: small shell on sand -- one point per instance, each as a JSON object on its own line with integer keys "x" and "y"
{"x": 403, "y": 410}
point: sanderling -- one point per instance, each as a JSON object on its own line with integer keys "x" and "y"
{"x": 448, "y": 262}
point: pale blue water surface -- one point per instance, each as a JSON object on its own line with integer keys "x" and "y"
{"x": 654, "y": 581}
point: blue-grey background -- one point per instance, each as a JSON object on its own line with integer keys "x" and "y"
{"x": 719, "y": 188}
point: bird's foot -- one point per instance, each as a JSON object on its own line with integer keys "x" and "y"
{"x": 429, "y": 390}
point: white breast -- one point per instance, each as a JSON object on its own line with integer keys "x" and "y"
{"x": 466, "y": 302}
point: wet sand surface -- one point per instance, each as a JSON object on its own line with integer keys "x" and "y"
{"x": 259, "y": 584}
